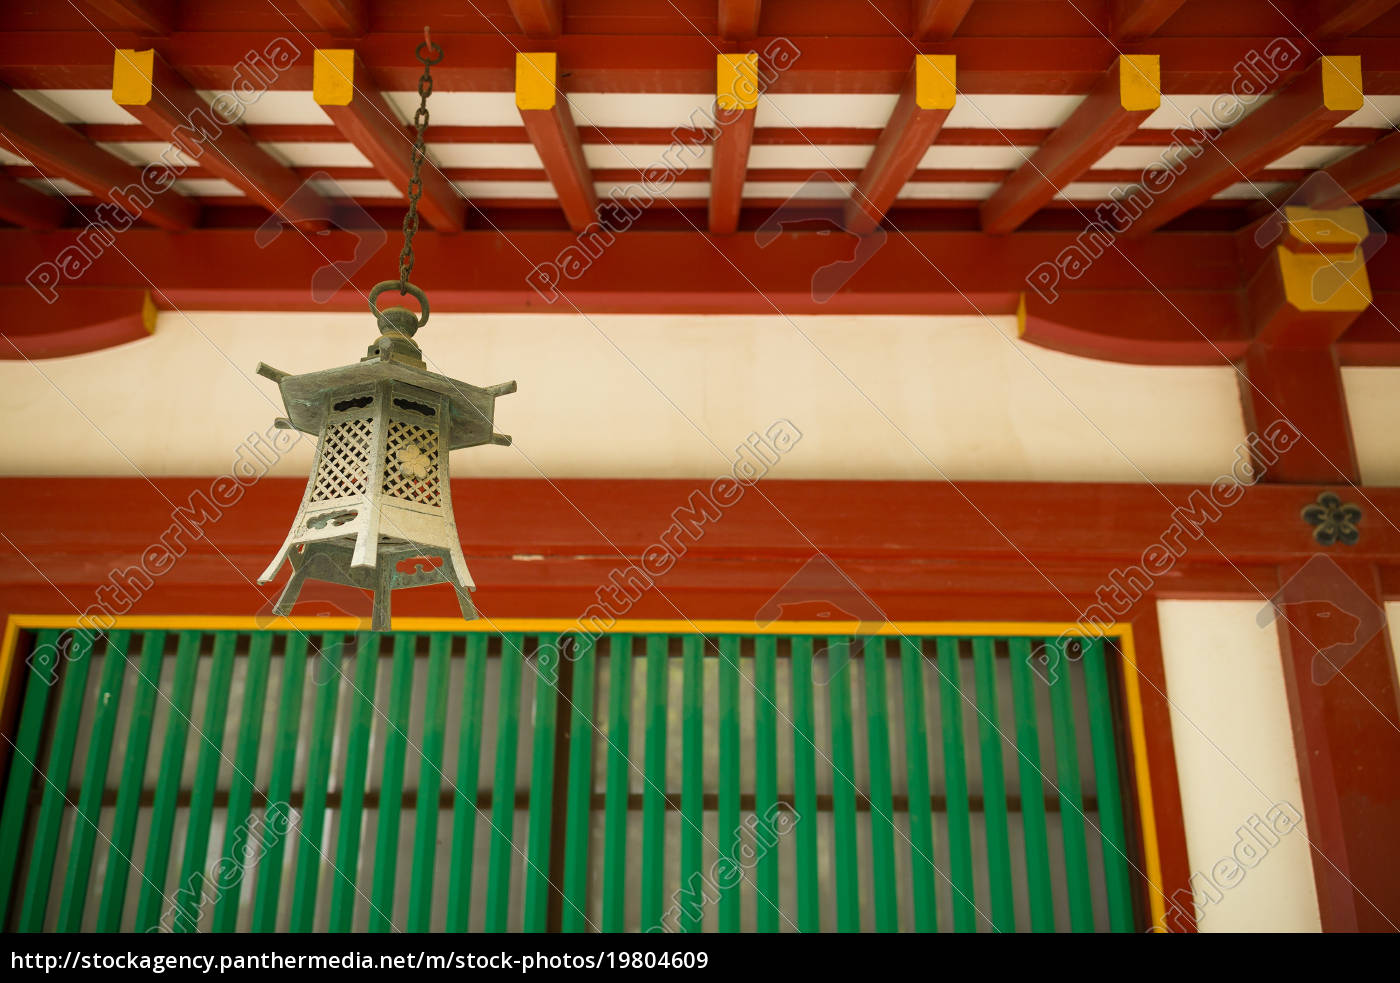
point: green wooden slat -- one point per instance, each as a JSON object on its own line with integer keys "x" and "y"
{"x": 692, "y": 776}
{"x": 386, "y": 841}
{"x": 654, "y": 794}
{"x": 245, "y": 768}
{"x": 43, "y": 850}
{"x": 804, "y": 783}
{"x": 843, "y": 764}
{"x": 541, "y": 793}
{"x": 993, "y": 786}
{"x": 729, "y": 897}
{"x": 420, "y": 897}
{"x": 1081, "y": 906}
{"x": 344, "y": 889}
{"x": 615, "y": 805}
{"x": 138, "y": 742}
{"x": 104, "y": 723}
{"x": 464, "y": 809}
{"x": 920, "y": 806}
{"x": 268, "y": 890}
{"x": 1115, "y": 850}
{"x": 310, "y": 854}
{"x": 765, "y": 777}
{"x": 23, "y": 763}
{"x": 881, "y": 788}
{"x": 190, "y": 889}
{"x": 580, "y": 791}
{"x": 1038, "y": 884}
{"x": 955, "y": 771}
{"x": 177, "y": 728}
{"x": 503, "y": 790}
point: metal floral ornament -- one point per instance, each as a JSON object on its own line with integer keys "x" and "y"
{"x": 1334, "y": 521}
{"x": 377, "y": 512}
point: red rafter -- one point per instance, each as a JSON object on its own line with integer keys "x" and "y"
{"x": 340, "y": 18}
{"x": 370, "y": 124}
{"x": 61, "y": 152}
{"x": 174, "y": 111}
{"x": 938, "y": 20}
{"x": 556, "y": 139}
{"x": 738, "y": 19}
{"x": 143, "y": 16}
{"x": 906, "y": 136}
{"x": 28, "y": 208}
{"x": 731, "y": 161}
{"x": 1293, "y": 117}
{"x": 539, "y": 18}
{"x": 1136, "y": 19}
{"x": 1099, "y": 124}
{"x": 1342, "y": 18}
{"x": 1362, "y": 174}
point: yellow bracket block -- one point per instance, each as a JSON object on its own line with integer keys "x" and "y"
{"x": 1139, "y": 82}
{"x": 132, "y": 74}
{"x": 1321, "y": 261}
{"x": 1331, "y": 230}
{"x": 148, "y": 313}
{"x": 535, "y": 74}
{"x": 333, "y": 76}
{"x": 736, "y": 81}
{"x": 1341, "y": 82}
{"x": 935, "y": 81}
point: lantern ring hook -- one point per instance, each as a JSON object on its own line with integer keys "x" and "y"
{"x": 405, "y": 288}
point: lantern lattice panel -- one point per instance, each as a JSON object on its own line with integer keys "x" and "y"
{"x": 411, "y": 464}
{"x": 345, "y": 460}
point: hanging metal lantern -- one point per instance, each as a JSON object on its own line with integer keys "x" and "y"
{"x": 377, "y": 512}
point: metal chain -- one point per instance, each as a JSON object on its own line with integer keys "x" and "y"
{"x": 415, "y": 183}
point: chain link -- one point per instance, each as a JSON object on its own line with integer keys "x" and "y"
{"x": 415, "y": 182}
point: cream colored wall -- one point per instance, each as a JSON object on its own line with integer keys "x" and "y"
{"x": 874, "y": 397}
{"x": 1373, "y": 402}
{"x": 1235, "y": 760}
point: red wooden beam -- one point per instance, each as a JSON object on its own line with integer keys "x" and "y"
{"x": 143, "y": 16}
{"x": 1340, "y": 676}
{"x": 1324, "y": 95}
{"x": 1300, "y": 388}
{"x": 738, "y": 19}
{"x": 736, "y": 101}
{"x": 544, "y": 109}
{"x": 938, "y": 20}
{"x": 28, "y": 208}
{"x": 1365, "y": 172}
{"x": 80, "y": 320}
{"x": 1167, "y": 328}
{"x": 341, "y": 18}
{"x": 1134, "y": 20}
{"x": 1343, "y": 18}
{"x": 930, "y": 89}
{"x": 1127, "y": 94}
{"x": 345, "y": 92}
{"x": 64, "y": 153}
{"x": 539, "y": 18}
{"x": 148, "y": 88}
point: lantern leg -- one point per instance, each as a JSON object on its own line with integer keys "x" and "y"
{"x": 459, "y": 566}
{"x": 383, "y": 591}
{"x": 290, "y": 593}
{"x": 464, "y": 601}
{"x": 280, "y": 558}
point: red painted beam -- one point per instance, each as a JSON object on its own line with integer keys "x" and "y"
{"x": 738, "y": 19}
{"x": 1300, "y": 388}
{"x": 1134, "y": 20}
{"x": 1324, "y": 95}
{"x": 1127, "y": 94}
{"x": 148, "y": 88}
{"x": 1340, "y": 677}
{"x": 544, "y": 109}
{"x": 79, "y": 321}
{"x": 340, "y": 18}
{"x": 23, "y": 206}
{"x": 736, "y": 102}
{"x": 1365, "y": 172}
{"x": 63, "y": 153}
{"x": 929, "y": 91}
{"x": 539, "y": 18}
{"x": 938, "y": 20}
{"x": 1343, "y": 18}
{"x": 346, "y": 93}
{"x": 1166, "y": 328}
{"x": 142, "y": 16}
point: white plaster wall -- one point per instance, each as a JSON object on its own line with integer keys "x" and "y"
{"x": 1373, "y": 403}
{"x": 874, "y": 397}
{"x": 1235, "y": 759}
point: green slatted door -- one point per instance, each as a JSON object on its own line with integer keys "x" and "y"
{"x": 225, "y": 780}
